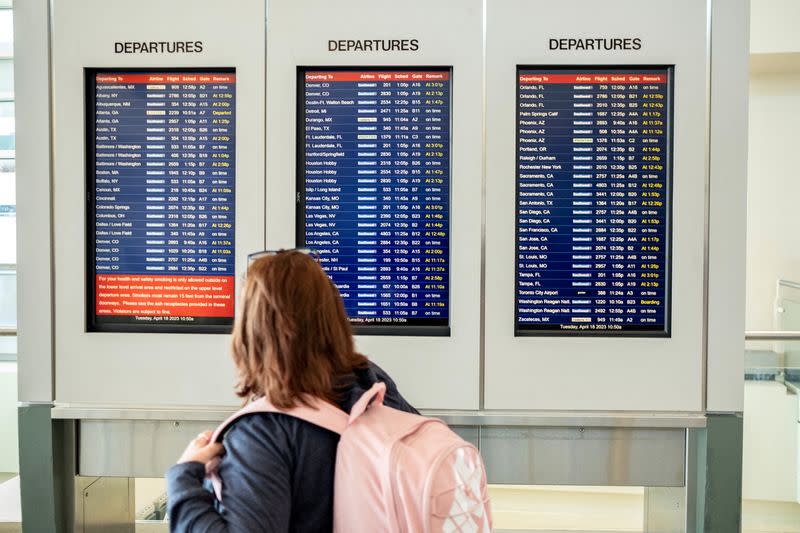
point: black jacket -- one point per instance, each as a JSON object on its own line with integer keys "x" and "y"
{"x": 277, "y": 472}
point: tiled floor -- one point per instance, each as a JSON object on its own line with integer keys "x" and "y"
{"x": 574, "y": 509}
{"x": 516, "y": 510}
{"x": 10, "y": 510}
{"x": 770, "y": 517}
{"x": 610, "y": 510}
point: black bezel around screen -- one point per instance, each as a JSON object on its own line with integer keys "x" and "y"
{"x": 371, "y": 329}
{"x": 124, "y": 324}
{"x": 621, "y": 69}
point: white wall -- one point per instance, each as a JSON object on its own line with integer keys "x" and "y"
{"x": 773, "y": 234}
{"x": 773, "y": 26}
{"x": 770, "y": 463}
{"x": 773, "y": 177}
{"x": 9, "y": 451}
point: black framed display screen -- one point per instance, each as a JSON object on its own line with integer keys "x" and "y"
{"x": 373, "y": 163}
{"x": 161, "y": 199}
{"x": 593, "y": 200}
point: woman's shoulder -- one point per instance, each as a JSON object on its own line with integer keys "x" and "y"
{"x": 278, "y": 433}
{"x": 274, "y": 464}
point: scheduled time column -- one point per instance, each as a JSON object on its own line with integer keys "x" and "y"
{"x": 405, "y": 209}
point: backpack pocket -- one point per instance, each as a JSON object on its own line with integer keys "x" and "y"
{"x": 457, "y": 492}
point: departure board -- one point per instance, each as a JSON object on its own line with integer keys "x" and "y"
{"x": 161, "y": 182}
{"x": 374, "y": 192}
{"x": 593, "y": 201}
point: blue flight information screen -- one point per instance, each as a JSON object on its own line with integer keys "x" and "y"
{"x": 161, "y": 200}
{"x": 374, "y": 192}
{"x": 593, "y": 201}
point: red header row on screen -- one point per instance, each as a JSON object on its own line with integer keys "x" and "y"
{"x": 526, "y": 79}
{"x": 377, "y": 76}
{"x": 166, "y": 78}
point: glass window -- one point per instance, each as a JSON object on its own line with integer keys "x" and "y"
{"x": 8, "y": 202}
{"x": 6, "y": 79}
{"x": 8, "y": 213}
{"x": 6, "y": 32}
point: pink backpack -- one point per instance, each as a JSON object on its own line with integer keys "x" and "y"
{"x": 395, "y": 472}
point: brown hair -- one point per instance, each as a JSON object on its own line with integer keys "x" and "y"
{"x": 292, "y": 336}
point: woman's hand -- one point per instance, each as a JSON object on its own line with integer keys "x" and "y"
{"x": 201, "y": 450}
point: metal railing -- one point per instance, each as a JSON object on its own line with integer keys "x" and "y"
{"x": 785, "y": 290}
{"x": 772, "y": 336}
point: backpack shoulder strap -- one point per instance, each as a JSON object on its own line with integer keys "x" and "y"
{"x": 319, "y": 413}
{"x": 322, "y": 414}
{"x": 375, "y": 394}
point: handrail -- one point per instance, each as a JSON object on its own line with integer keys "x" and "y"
{"x": 8, "y": 331}
{"x": 790, "y": 284}
{"x": 772, "y": 336}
